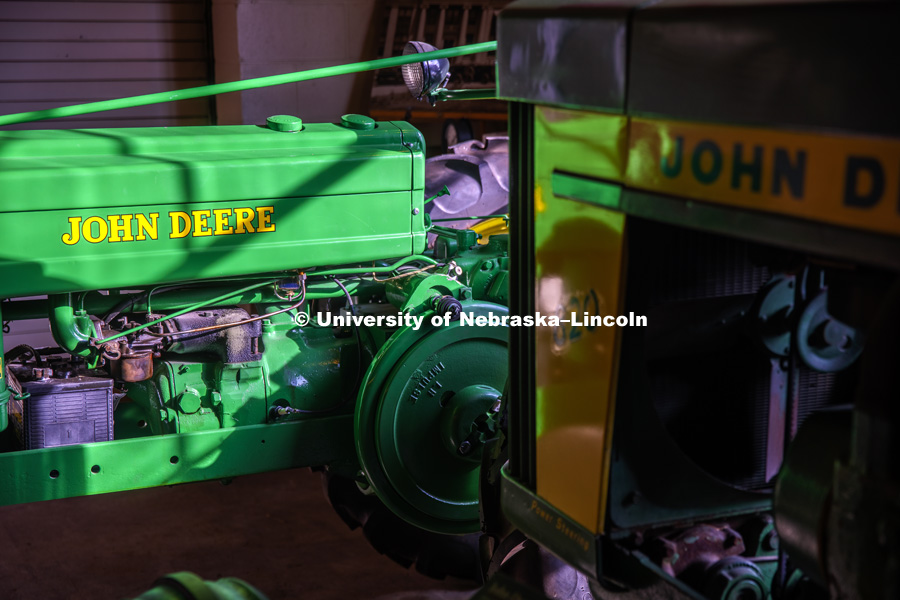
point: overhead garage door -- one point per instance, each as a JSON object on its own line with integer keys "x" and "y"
{"x": 57, "y": 53}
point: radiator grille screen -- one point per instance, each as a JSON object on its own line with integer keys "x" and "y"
{"x": 708, "y": 374}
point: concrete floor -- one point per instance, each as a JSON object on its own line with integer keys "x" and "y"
{"x": 274, "y": 530}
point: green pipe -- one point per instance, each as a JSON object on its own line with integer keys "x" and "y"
{"x": 70, "y": 330}
{"x": 178, "y": 299}
{"x": 387, "y": 269}
{"x": 191, "y": 308}
{"x": 238, "y": 86}
{"x": 337, "y": 294}
{"x": 21, "y": 310}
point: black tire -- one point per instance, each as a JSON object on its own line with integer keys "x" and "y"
{"x": 434, "y": 555}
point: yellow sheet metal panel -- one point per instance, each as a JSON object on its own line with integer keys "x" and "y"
{"x": 852, "y": 181}
{"x": 579, "y": 254}
{"x": 591, "y": 144}
{"x": 489, "y": 227}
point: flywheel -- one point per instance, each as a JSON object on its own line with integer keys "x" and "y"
{"x": 425, "y": 408}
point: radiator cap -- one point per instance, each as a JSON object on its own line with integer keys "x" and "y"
{"x": 361, "y": 122}
{"x": 284, "y": 123}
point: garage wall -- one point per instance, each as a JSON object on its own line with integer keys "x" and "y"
{"x": 57, "y": 53}
{"x": 257, "y": 38}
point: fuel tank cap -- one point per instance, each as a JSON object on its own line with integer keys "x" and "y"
{"x": 361, "y": 122}
{"x": 284, "y": 123}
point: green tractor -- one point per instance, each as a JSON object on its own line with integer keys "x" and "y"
{"x": 238, "y": 299}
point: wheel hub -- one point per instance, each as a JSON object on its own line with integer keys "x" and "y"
{"x": 427, "y": 394}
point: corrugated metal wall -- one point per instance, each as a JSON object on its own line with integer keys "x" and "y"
{"x": 57, "y": 53}
{"x": 61, "y": 52}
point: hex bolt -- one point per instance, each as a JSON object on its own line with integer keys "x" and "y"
{"x": 415, "y": 211}
{"x": 465, "y": 448}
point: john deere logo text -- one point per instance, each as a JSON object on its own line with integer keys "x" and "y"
{"x": 849, "y": 181}
{"x": 180, "y": 224}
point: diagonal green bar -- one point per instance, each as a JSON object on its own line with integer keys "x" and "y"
{"x": 193, "y": 307}
{"x": 238, "y": 86}
{"x": 119, "y": 465}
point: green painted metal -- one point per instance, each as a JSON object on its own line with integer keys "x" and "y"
{"x": 187, "y": 586}
{"x": 309, "y": 370}
{"x": 87, "y": 469}
{"x": 72, "y": 330}
{"x": 285, "y": 123}
{"x": 399, "y": 415}
{"x": 249, "y": 84}
{"x": 418, "y": 293}
{"x": 467, "y": 420}
{"x": 190, "y": 203}
{"x": 540, "y": 520}
{"x": 360, "y": 122}
{"x": 312, "y": 369}
{"x": 184, "y": 396}
{"x": 485, "y": 267}
{"x": 4, "y": 405}
{"x": 603, "y": 194}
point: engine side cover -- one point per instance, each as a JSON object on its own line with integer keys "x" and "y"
{"x": 103, "y": 208}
